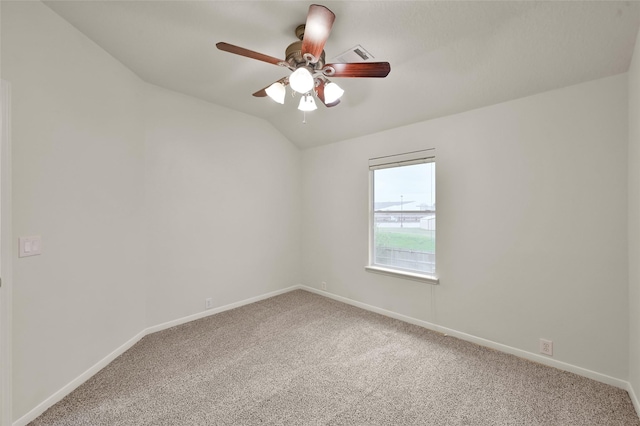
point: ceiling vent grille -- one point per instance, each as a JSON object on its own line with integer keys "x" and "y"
{"x": 355, "y": 54}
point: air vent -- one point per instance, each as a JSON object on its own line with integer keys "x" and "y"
{"x": 355, "y": 54}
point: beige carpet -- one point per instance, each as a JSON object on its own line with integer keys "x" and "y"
{"x": 303, "y": 359}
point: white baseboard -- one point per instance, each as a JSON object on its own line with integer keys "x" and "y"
{"x": 483, "y": 342}
{"x": 71, "y": 386}
{"x": 214, "y": 311}
{"x": 634, "y": 398}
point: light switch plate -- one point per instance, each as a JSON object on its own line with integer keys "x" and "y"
{"x": 30, "y": 246}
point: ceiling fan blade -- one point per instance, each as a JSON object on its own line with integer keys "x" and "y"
{"x": 358, "y": 69}
{"x": 316, "y": 30}
{"x": 248, "y": 53}
{"x": 320, "y": 93}
{"x": 263, "y": 92}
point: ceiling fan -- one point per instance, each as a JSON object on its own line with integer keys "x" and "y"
{"x": 306, "y": 59}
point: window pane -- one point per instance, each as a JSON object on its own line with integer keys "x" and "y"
{"x": 405, "y": 217}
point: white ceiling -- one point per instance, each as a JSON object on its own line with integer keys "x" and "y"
{"x": 446, "y": 56}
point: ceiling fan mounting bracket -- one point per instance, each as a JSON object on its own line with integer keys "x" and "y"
{"x": 328, "y": 71}
{"x": 319, "y": 79}
{"x": 309, "y": 58}
{"x": 285, "y": 64}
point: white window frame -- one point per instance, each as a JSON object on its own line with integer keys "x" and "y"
{"x": 406, "y": 159}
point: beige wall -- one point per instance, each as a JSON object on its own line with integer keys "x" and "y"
{"x": 532, "y": 229}
{"x": 223, "y": 206}
{"x": 78, "y": 158}
{"x": 147, "y": 201}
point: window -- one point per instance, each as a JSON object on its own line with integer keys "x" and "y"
{"x": 403, "y": 215}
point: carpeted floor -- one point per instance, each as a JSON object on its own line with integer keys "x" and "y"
{"x": 303, "y": 359}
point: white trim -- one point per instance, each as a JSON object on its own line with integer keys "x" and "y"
{"x": 405, "y": 159}
{"x": 402, "y": 274}
{"x": 71, "y": 386}
{"x": 619, "y": 383}
{"x": 634, "y": 398}
{"x": 59, "y": 395}
{"x": 389, "y": 161}
{"x": 214, "y": 311}
{"x": 6, "y": 257}
{"x": 371, "y": 219}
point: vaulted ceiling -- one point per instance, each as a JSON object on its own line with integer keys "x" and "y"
{"x": 446, "y": 56}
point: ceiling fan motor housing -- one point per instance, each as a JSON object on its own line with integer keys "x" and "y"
{"x": 294, "y": 56}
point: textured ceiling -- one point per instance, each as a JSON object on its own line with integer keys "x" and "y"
{"x": 446, "y": 56}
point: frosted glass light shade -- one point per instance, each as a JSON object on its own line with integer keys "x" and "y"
{"x": 301, "y": 80}
{"x": 307, "y": 103}
{"x": 332, "y": 92}
{"x": 276, "y": 92}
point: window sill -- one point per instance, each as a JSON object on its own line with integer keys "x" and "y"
{"x": 403, "y": 274}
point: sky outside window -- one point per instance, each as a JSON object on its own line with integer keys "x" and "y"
{"x": 413, "y": 183}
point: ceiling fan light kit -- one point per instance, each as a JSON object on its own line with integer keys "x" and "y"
{"x": 306, "y": 59}
{"x": 301, "y": 80}
{"x": 307, "y": 103}
{"x": 277, "y": 92}
{"x": 332, "y": 92}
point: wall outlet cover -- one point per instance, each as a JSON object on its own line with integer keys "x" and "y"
{"x": 30, "y": 246}
{"x": 546, "y": 347}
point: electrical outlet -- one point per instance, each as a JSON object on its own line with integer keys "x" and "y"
{"x": 208, "y": 303}
{"x": 546, "y": 347}
{"x": 323, "y": 286}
